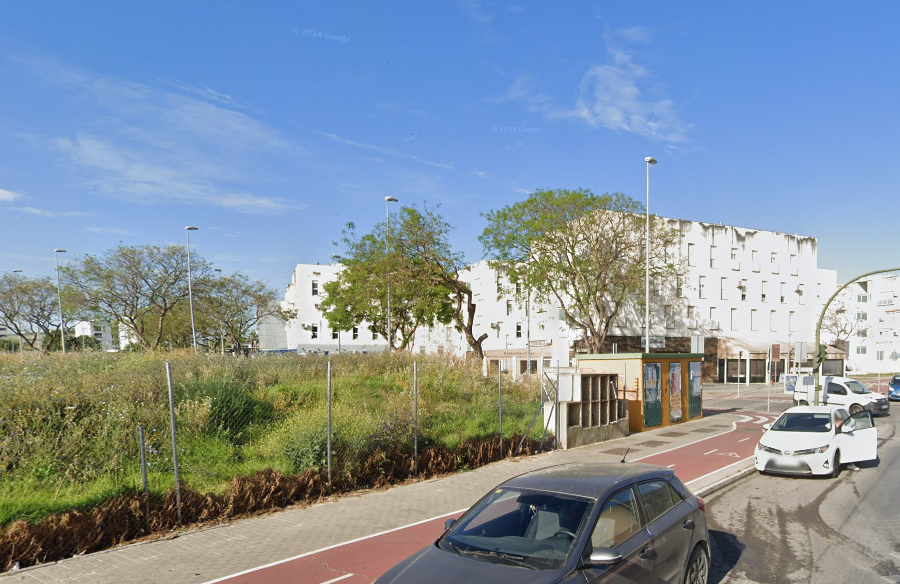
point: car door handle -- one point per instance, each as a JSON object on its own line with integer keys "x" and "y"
{"x": 688, "y": 524}
{"x": 645, "y": 553}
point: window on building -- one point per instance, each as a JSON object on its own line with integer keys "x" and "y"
{"x": 374, "y": 336}
{"x": 754, "y": 320}
{"x": 773, "y": 258}
{"x": 509, "y": 307}
{"x": 690, "y": 255}
{"x": 792, "y": 324}
{"x": 783, "y": 297}
{"x": 773, "y": 322}
{"x": 879, "y": 356}
{"x": 355, "y": 333}
{"x": 862, "y": 298}
{"x": 679, "y": 289}
{"x": 723, "y": 287}
{"x": 422, "y": 349}
{"x": 793, "y": 259}
{"x": 562, "y": 314}
{"x": 518, "y": 330}
{"x": 860, "y": 350}
{"x": 862, "y": 333}
{"x": 440, "y": 349}
{"x": 734, "y": 319}
{"x": 499, "y": 285}
{"x": 763, "y": 290}
{"x": 753, "y": 254}
{"x": 518, "y": 288}
{"x": 714, "y": 318}
{"x": 654, "y": 287}
{"x": 862, "y": 316}
{"x": 314, "y": 330}
{"x": 670, "y": 317}
{"x": 712, "y": 256}
{"x": 701, "y": 287}
{"x": 334, "y": 334}
{"x": 734, "y": 253}
{"x": 315, "y": 287}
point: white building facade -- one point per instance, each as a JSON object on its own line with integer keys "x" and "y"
{"x": 872, "y": 305}
{"x": 745, "y": 291}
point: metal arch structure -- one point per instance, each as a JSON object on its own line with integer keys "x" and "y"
{"x": 822, "y": 317}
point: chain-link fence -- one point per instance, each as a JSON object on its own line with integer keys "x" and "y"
{"x": 91, "y": 445}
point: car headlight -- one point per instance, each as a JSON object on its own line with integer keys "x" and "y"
{"x": 818, "y": 450}
{"x": 765, "y": 448}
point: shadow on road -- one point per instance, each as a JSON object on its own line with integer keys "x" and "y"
{"x": 726, "y": 551}
{"x": 708, "y": 413}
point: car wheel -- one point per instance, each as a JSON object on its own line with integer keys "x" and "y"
{"x": 803, "y": 402}
{"x": 697, "y": 571}
{"x": 836, "y": 465}
{"x": 855, "y": 409}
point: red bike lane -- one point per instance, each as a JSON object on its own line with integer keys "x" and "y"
{"x": 366, "y": 559}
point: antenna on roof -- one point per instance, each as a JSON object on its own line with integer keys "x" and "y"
{"x": 624, "y": 455}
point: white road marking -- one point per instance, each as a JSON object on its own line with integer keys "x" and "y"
{"x": 743, "y": 439}
{"x": 762, "y": 419}
{"x": 338, "y": 579}
{"x": 733, "y": 428}
{"x": 893, "y": 579}
{"x": 895, "y": 554}
{"x": 731, "y": 454}
{"x": 710, "y": 452}
{"x": 337, "y": 545}
{"x": 709, "y": 474}
{"x": 670, "y": 466}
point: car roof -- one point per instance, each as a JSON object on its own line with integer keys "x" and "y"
{"x": 812, "y": 409}
{"x": 587, "y": 479}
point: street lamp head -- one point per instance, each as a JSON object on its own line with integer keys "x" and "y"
{"x": 17, "y": 271}
{"x": 59, "y": 250}
{"x": 217, "y": 270}
{"x": 391, "y": 199}
{"x": 191, "y": 228}
{"x": 650, "y": 160}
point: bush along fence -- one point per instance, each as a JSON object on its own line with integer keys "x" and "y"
{"x": 226, "y": 440}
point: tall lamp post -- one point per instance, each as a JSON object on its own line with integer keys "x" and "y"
{"x": 337, "y": 259}
{"x": 387, "y": 242}
{"x": 21, "y": 336}
{"x": 650, "y": 161}
{"x": 62, "y": 323}
{"x": 187, "y": 230}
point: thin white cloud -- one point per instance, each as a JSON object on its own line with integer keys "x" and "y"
{"x": 9, "y": 196}
{"x": 108, "y": 231}
{"x": 146, "y": 145}
{"x": 47, "y": 213}
{"x": 524, "y": 89}
{"x": 387, "y": 151}
{"x": 210, "y": 94}
{"x": 610, "y": 96}
{"x": 475, "y": 11}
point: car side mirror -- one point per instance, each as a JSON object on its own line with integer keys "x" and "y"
{"x": 846, "y": 429}
{"x": 603, "y": 556}
{"x": 766, "y": 427}
{"x": 449, "y": 523}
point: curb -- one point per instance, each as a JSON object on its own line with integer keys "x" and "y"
{"x": 722, "y": 483}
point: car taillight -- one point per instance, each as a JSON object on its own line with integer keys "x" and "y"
{"x": 701, "y": 505}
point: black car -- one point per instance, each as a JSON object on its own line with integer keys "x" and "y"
{"x": 583, "y": 522}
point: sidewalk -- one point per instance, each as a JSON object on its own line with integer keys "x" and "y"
{"x": 206, "y": 554}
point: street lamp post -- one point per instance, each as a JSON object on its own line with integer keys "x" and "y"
{"x": 387, "y": 242}
{"x": 187, "y": 230}
{"x": 62, "y": 322}
{"x": 21, "y": 336}
{"x": 650, "y": 161}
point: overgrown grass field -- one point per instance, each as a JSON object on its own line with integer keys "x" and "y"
{"x": 69, "y": 423}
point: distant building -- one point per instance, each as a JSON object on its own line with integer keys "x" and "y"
{"x": 745, "y": 291}
{"x": 97, "y": 330}
{"x": 872, "y": 306}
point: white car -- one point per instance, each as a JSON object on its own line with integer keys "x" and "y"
{"x": 847, "y": 393}
{"x": 816, "y": 440}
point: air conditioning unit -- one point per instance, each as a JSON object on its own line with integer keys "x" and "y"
{"x": 495, "y": 325}
{"x": 306, "y": 327}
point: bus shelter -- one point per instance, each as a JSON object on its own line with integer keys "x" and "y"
{"x": 662, "y": 389}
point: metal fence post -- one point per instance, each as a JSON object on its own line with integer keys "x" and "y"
{"x": 328, "y": 428}
{"x": 415, "y": 419}
{"x": 144, "y": 472}
{"x": 500, "y": 393}
{"x": 174, "y": 443}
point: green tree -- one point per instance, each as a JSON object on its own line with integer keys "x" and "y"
{"x": 582, "y": 252}
{"x": 360, "y": 292}
{"x": 29, "y": 309}
{"x": 140, "y": 287}
{"x": 236, "y": 304}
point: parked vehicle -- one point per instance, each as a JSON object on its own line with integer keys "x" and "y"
{"x": 894, "y": 388}
{"x": 816, "y": 440}
{"x": 584, "y": 522}
{"x": 847, "y": 393}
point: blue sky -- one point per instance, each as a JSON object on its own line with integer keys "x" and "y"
{"x": 271, "y": 125}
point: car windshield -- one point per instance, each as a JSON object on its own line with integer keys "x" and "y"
{"x": 803, "y": 422}
{"x": 857, "y": 387}
{"x": 895, "y": 380}
{"x": 519, "y": 527}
